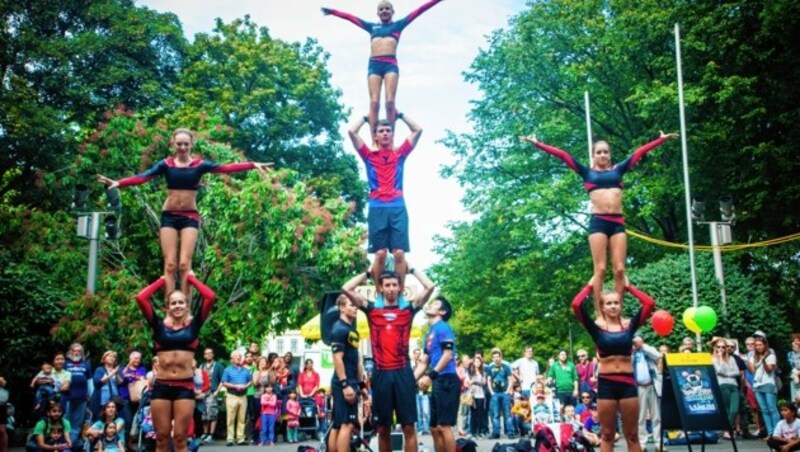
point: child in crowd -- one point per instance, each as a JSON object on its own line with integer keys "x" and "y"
{"x": 591, "y": 427}
{"x": 542, "y": 411}
{"x": 522, "y": 416}
{"x": 269, "y": 412}
{"x": 787, "y": 433}
{"x": 41, "y": 434}
{"x": 322, "y": 411}
{"x": 44, "y": 386}
{"x": 292, "y": 417}
{"x": 57, "y": 438}
{"x": 110, "y": 442}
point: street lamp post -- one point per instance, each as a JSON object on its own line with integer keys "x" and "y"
{"x": 720, "y": 235}
{"x": 89, "y": 228}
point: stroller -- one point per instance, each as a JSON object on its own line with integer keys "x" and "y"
{"x": 142, "y": 427}
{"x": 308, "y": 418}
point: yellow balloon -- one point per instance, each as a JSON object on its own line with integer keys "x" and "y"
{"x": 688, "y": 320}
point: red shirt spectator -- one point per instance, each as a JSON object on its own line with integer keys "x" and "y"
{"x": 308, "y": 381}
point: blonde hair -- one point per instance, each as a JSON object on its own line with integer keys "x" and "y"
{"x": 183, "y": 130}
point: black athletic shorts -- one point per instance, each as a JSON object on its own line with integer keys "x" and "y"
{"x": 388, "y": 228}
{"x": 616, "y": 386}
{"x": 179, "y": 220}
{"x": 610, "y": 224}
{"x": 173, "y": 390}
{"x": 394, "y": 392}
{"x": 343, "y": 412}
{"x": 445, "y": 398}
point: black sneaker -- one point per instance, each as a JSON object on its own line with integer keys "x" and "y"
{"x": 229, "y": 444}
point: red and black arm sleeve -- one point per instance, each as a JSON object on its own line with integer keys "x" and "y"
{"x": 562, "y": 155}
{"x": 208, "y": 296}
{"x": 639, "y": 153}
{"x": 143, "y": 300}
{"x": 418, "y": 12}
{"x": 578, "y": 306}
{"x": 146, "y": 176}
{"x": 648, "y": 304}
{"x": 233, "y": 167}
{"x": 360, "y": 23}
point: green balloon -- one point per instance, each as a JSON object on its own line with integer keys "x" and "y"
{"x": 706, "y": 318}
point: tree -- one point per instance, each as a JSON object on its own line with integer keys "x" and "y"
{"x": 63, "y": 64}
{"x": 276, "y": 97}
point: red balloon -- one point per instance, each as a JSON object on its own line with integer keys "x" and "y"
{"x": 662, "y": 322}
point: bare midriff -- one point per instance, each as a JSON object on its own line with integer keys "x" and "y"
{"x": 615, "y": 364}
{"x": 180, "y": 200}
{"x": 175, "y": 365}
{"x": 606, "y": 201}
{"x": 383, "y": 45}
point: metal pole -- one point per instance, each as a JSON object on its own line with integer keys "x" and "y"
{"x": 588, "y": 125}
{"x": 718, "y": 271}
{"x": 94, "y": 246}
{"x": 686, "y": 184}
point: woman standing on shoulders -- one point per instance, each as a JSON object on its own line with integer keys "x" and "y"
{"x": 179, "y": 217}
{"x": 603, "y": 181}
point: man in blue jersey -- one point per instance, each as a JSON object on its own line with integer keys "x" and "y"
{"x": 437, "y": 367}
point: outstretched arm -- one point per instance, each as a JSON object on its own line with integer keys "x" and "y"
{"x": 639, "y": 153}
{"x": 418, "y": 12}
{"x": 208, "y": 295}
{"x": 360, "y": 23}
{"x": 139, "y": 179}
{"x": 143, "y": 300}
{"x": 349, "y": 289}
{"x": 241, "y": 166}
{"x": 416, "y": 129}
{"x": 562, "y": 155}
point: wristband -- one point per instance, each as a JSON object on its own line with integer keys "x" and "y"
{"x": 362, "y": 385}
{"x": 400, "y": 115}
{"x": 366, "y": 275}
{"x": 433, "y": 374}
{"x": 366, "y": 119}
{"x": 344, "y": 384}
{"x": 411, "y": 271}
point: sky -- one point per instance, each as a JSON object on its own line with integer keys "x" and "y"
{"x": 434, "y": 52}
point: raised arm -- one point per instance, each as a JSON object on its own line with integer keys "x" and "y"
{"x": 208, "y": 295}
{"x": 639, "y": 153}
{"x": 416, "y": 129}
{"x": 143, "y": 300}
{"x": 579, "y": 305}
{"x": 562, "y": 155}
{"x": 647, "y": 305}
{"x": 427, "y": 288}
{"x": 349, "y": 289}
{"x": 360, "y": 23}
{"x": 418, "y": 12}
{"x": 355, "y": 138}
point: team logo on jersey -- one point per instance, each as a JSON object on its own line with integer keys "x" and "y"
{"x": 390, "y": 316}
{"x": 353, "y": 339}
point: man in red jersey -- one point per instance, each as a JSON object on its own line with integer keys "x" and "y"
{"x": 393, "y": 384}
